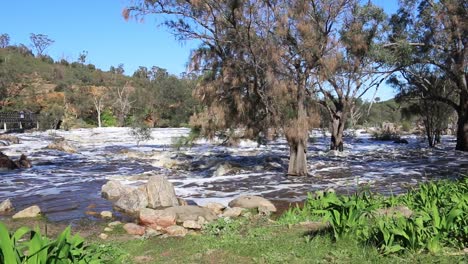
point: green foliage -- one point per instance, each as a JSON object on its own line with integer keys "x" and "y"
{"x": 108, "y": 119}
{"x": 440, "y": 217}
{"x": 14, "y": 248}
{"x": 187, "y": 141}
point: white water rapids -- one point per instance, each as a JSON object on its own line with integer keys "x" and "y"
{"x": 66, "y": 185}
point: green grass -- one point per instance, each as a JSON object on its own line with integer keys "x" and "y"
{"x": 261, "y": 243}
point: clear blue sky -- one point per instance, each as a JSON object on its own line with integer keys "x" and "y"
{"x": 98, "y": 27}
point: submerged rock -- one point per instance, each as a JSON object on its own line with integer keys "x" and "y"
{"x": 10, "y": 138}
{"x": 401, "y": 141}
{"x": 227, "y": 168}
{"x": 30, "y": 212}
{"x": 253, "y": 202}
{"x": 7, "y": 163}
{"x": 62, "y": 145}
{"x": 24, "y": 162}
{"x": 6, "y": 206}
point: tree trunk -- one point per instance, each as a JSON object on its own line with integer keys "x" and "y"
{"x": 297, "y": 134}
{"x": 99, "y": 118}
{"x": 339, "y": 119}
{"x": 462, "y": 132}
{"x": 297, "y": 157}
{"x": 462, "y": 124}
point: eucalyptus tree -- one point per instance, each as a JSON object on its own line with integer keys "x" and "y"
{"x": 350, "y": 70}
{"x": 434, "y": 35}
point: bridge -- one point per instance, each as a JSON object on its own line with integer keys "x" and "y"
{"x": 18, "y": 120}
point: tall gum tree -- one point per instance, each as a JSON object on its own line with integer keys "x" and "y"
{"x": 256, "y": 59}
{"x": 350, "y": 70}
{"x": 435, "y": 34}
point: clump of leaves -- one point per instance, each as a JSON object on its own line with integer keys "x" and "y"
{"x": 16, "y": 248}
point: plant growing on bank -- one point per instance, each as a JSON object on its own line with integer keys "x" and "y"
{"x": 15, "y": 248}
{"x": 439, "y": 218}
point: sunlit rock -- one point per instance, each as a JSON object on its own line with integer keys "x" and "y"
{"x": 30, "y": 212}
{"x": 191, "y": 212}
{"x": 160, "y": 192}
{"x": 252, "y": 202}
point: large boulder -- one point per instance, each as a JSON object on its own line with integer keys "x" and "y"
{"x": 191, "y": 212}
{"x": 157, "y": 218}
{"x": 62, "y": 145}
{"x": 32, "y": 211}
{"x": 253, "y": 202}
{"x": 160, "y": 192}
{"x": 133, "y": 201}
{"x": 112, "y": 190}
{"x": 6, "y": 206}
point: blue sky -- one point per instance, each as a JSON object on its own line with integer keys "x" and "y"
{"x": 98, "y": 28}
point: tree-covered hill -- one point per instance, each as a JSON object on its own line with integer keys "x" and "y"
{"x": 79, "y": 94}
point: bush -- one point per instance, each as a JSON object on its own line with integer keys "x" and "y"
{"x": 108, "y": 119}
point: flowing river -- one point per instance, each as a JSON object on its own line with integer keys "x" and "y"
{"x": 67, "y": 186}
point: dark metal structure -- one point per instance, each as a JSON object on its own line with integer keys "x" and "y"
{"x": 18, "y": 120}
